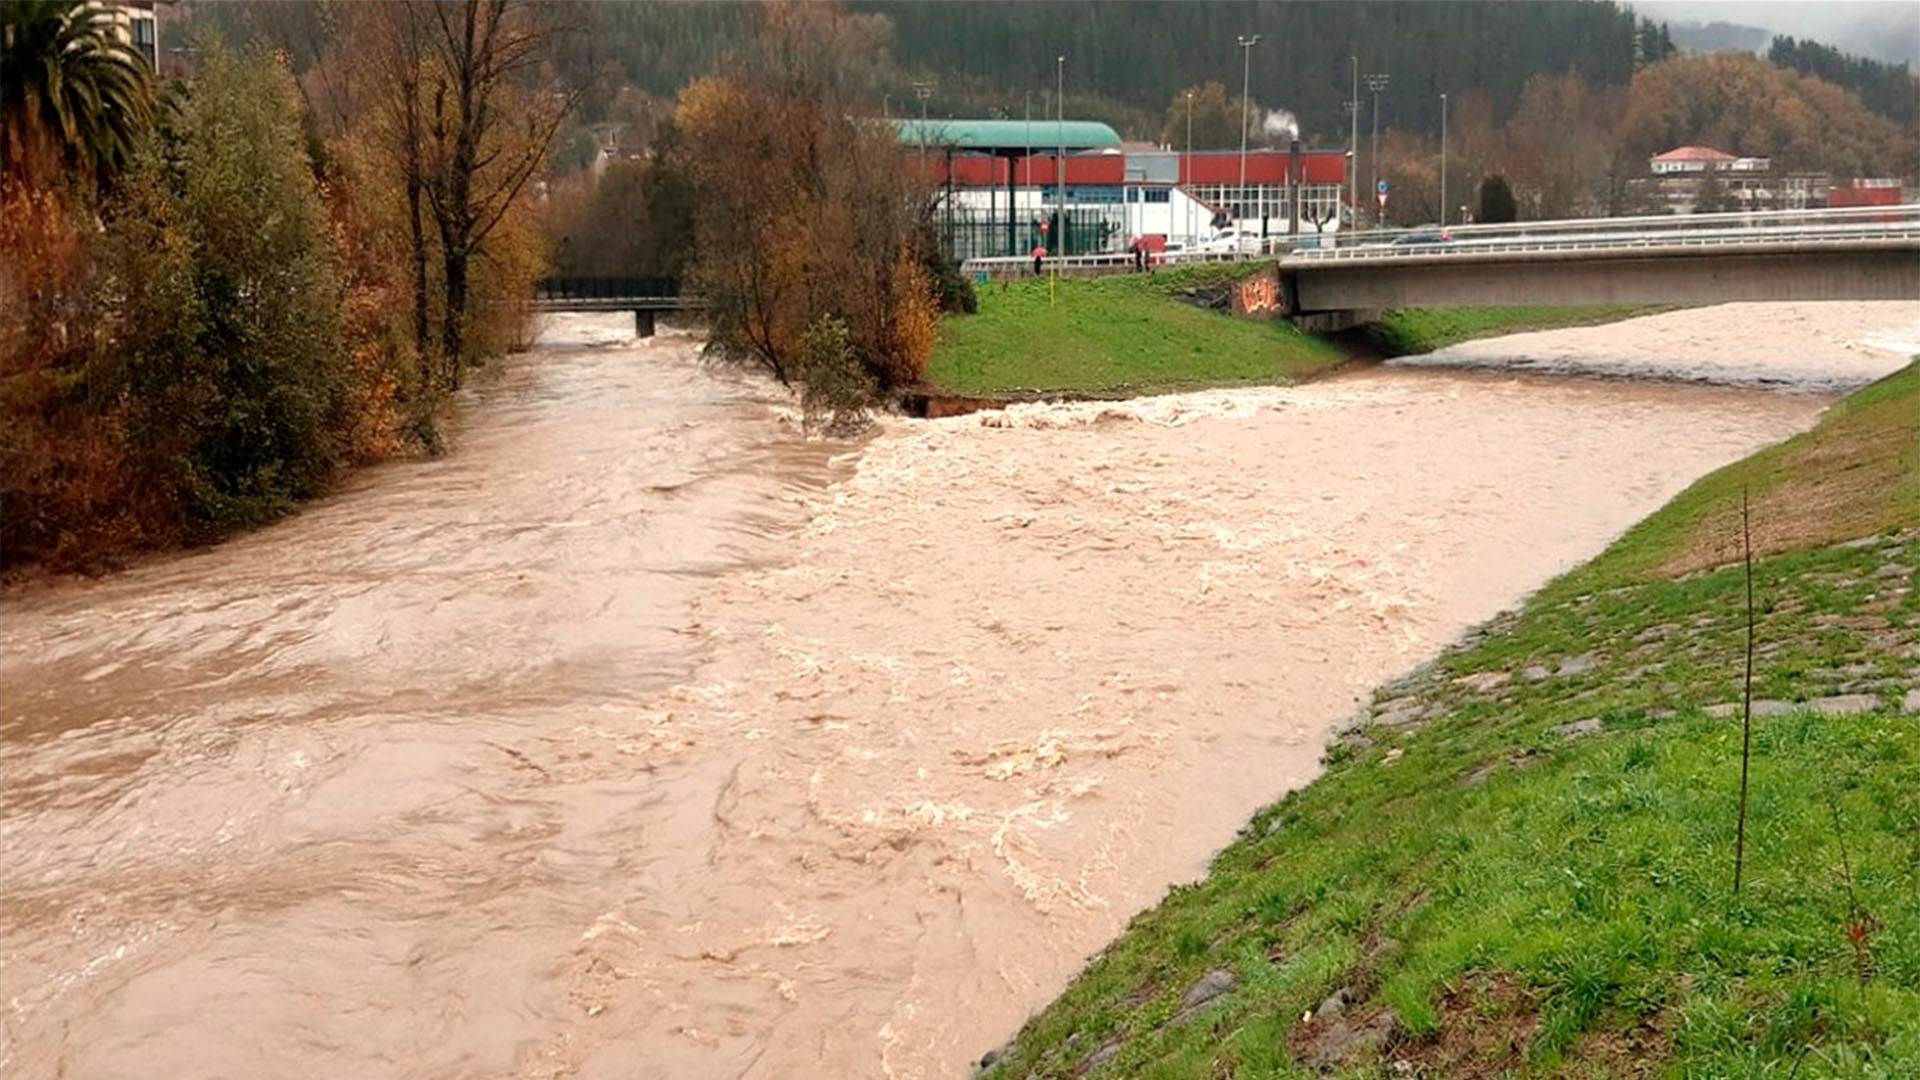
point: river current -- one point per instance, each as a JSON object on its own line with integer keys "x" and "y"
{"x": 642, "y": 736}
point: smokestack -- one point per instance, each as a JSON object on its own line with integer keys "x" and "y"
{"x": 1293, "y": 188}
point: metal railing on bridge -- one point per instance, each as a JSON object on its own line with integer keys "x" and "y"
{"x": 609, "y": 291}
{"x": 1834, "y": 226}
{"x": 1831, "y": 226}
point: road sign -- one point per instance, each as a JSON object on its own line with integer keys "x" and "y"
{"x": 1383, "y": 200}
{"x": 1381, "y": 187}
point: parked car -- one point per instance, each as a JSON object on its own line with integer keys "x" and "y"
{"x": 1230, "y": 240}
{"x": 1424, "y": 236}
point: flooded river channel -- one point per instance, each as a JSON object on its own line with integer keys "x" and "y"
{"x": 641, "y": 737}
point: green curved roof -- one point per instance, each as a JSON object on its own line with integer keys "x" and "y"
{"x": 1008, "y": 134}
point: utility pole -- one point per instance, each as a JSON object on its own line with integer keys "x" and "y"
{"x": 1376, "y": 83}
{"x": 1353, "y": 146}
{"x": 1247, "y": 42}
{"x": 1443, "y": 161}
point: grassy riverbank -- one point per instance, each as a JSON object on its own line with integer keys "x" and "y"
{"x": 1129, "y": 334}
{"x": 1520, "y": 863}
{"x": 1115, "y": 336}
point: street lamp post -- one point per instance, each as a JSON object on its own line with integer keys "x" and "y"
{"x": 1060, "y": 151}
{"x": 1247, "y": 42}
{"x": 923, "y": 89}
{"x": 1375, "y": 84}
{"x": 1186, "y": 164}
{"x": 1353, "y": 145}
{"x": 1443, "y": 160}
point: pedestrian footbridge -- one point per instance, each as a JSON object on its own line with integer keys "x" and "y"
{"x": 646, "y": 297}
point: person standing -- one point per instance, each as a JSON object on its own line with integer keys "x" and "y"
{"x": 1039, "y": 257}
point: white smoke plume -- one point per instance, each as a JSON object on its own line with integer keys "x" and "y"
{"x": 1281, "y": 126}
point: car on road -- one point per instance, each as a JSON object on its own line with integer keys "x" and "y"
{"x": 1424, "y": 236}
{"x": 1230, "y": 240}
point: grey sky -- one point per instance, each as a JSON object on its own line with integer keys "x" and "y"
{"x": 1883, "y": 29}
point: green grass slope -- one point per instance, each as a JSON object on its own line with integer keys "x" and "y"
{"x": 1521, "y": 863}
{"x": 1130, "y": 334}
{"x": 1118, "y": 335}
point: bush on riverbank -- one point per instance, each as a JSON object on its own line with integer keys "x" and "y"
{"x": 210, "y": 331}
{"x": 806, "y": 212}
{"x": 205, "y": 391}
{"x": 1521, "y": 863}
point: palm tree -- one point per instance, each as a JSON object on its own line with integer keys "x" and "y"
{"x": 73, "y": 93}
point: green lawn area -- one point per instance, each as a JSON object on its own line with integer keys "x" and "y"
{"x": 1422, "y": 330}
{"x": 1128, "y": 334}
{"x": 1856, "y": 475}
{"x": 1118, "y": 335}
{"x": 1520, "y": 863}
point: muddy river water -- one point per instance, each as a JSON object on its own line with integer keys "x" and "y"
{"x": 641, "y": 737}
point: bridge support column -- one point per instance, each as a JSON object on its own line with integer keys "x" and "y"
{"x": 642, "y": 322}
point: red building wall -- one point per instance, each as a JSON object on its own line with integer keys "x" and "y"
{"x": 1098, "y": 170}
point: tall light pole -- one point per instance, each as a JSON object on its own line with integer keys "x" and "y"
{"x": 1247, "y": 42}
{"x": 923, "y": 89}
{"x": 1353, "y": 146}
{"x": 1026, "y": 98}
{"x": 1060, "y": 152}
{"x": 1376, "y": 83}
{"x": 1186, "y": 163}
{"x": 1443, "y": 161}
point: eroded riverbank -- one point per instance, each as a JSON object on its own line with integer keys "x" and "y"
{"x": 619, "y": 742}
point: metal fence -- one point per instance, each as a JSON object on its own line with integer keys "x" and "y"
{"x": 968, "y": 234}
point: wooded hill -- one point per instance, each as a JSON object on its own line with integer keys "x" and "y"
{"x": 1126, "y": 61}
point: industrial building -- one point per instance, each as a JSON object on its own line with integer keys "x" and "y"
{"x": 1001, "y": 194}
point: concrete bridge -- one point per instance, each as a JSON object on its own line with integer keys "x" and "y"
{"x": 645, "y": 297}
{"x": 1863, "y": 253}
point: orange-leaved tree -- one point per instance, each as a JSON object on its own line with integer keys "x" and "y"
{"x": 808, "y": 213}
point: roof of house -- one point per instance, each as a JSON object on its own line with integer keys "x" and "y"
{"x": 1008, "y": 134}
{"x": 1694, "y": 153}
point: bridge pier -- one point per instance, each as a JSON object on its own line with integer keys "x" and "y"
{"x": 643, "y": 322}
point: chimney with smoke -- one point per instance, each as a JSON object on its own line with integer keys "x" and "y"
{"x": 1293, "y": 186}
{"x": 1281, "y": 126}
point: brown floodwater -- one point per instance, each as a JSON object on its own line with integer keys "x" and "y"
{"x": 640, "y": 736}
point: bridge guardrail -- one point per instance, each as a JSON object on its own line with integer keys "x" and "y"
{"x": 573, "y": 288}
{"x": 1829, "y": 225}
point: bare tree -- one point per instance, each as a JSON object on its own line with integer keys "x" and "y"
{"x": 478, "y": 119}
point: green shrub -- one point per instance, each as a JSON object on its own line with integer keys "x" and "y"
{"x": 836, "y": 388}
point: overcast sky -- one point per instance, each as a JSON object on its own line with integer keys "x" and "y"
{"x": 1883, "y": 29}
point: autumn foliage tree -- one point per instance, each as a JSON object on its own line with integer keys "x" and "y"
{"x": 806, "y": 237}
{"x": 1216, "y": 119}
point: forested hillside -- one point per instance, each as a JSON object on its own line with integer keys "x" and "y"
{"x": 1892, "y": 90}
{"x": 1142, "y": 53}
